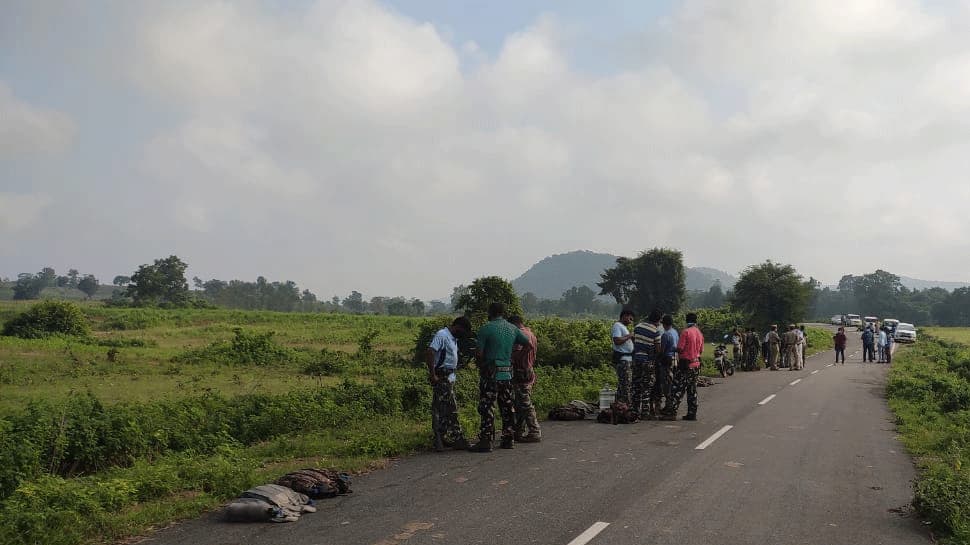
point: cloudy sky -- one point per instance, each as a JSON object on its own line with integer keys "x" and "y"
{"x": 403, "y": 147}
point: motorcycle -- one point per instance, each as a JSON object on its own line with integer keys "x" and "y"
{"x": 724, "y": 365}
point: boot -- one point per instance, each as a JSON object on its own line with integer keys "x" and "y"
{"x": 460, "y": 444}
{"x": 690, "y": 416}
{"x": 531, "y": 438}
{"x": 483, "y": 445}
{"x": 508, "y": 442}
{"x": 667, "y": 416}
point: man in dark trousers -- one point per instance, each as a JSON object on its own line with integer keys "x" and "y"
{"x": 646, "y": 345}
{"x": 442, "y": 360}
{"x": 523, "y": 378}
{"x": 839, "y": 339}
{"x": 689, "y": 350}
{"x": 495, "y": 342}
{"x": 868, "y": 345}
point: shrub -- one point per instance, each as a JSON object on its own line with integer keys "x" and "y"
{"x": 328, "y": 363}
{"x": 244, "y": 348}
{"x": 47, "y": 318}
{"x": 138, "y": 318}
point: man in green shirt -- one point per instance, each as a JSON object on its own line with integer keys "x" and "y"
{"x": 495, "y": 342}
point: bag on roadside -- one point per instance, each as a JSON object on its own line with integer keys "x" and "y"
{"x": 317, "y": 483}
{"x": 269, "y": 503}
{"x": 617, "y": 413}
{"x": 575, "y": 410}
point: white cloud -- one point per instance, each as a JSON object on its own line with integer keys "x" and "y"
{"x": 27, "y": 129}
{"x": 351, "y": 147}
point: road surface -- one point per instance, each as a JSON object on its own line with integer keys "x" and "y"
{"x": 789, "y": 457}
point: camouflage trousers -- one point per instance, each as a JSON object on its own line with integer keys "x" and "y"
{"x": 491, "y": 391}
{"x": 444, "y": 411}
{"x": 644, "y": 377}
{"x": 661, "y": 383}
{"x": 685, "y": 382}
{"x": 623, "y": 377}
{"x": 525, "y": 412}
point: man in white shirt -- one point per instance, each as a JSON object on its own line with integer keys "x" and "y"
{"x": 623, "y": 354}
{"x": 442, "y": 360}
{"x": 881, "y": 345}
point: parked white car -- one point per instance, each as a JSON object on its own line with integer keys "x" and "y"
{"x": 905, "y": 333}
{"x": 836, "y": 320}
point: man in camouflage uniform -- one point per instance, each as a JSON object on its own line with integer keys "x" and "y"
{"x": 690, "y": 346}
{"x": 773, "y": 341}
{"x": 790, "y": 338}
{"x": 442, "y": 359}
{"x": 646, "y": 344}
{"x": 752, "y": 346}
{"x": 523, "y": 378}
{"x": 495, "y": 341}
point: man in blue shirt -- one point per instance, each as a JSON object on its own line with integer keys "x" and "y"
{"x": 442, "y": 360}
{"x": 668, "y": 355}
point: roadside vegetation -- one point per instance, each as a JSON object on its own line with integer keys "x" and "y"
{"x": 929, "y": 390}
{"x": 117, "y": 419}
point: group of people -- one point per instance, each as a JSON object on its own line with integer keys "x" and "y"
{"x": 874, "y": 344}
{"x": 505, "y": 358}
{"x": 656, "y": 366}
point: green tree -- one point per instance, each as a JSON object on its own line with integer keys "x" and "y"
{"x": 579, "y": 299}
{"x": 530, "y": 303}
{"x": 121, "y": 280}
{"x": 475, "y": 299}
{"x": 770, "y": 293}
{"x": 877, "y": 293}
{"x": 354, "y": 302}
{"x": 161, "y": 283}
{"x": 74, "y": 277}
{"x": 89, "y": 285}
{"x": 954, "y": 310}
{"x": 28, "y": 286}
{"x": 655, "y": 279}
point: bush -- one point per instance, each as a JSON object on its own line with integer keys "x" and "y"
{"x": 328, "y": 363}
{"x": 244, "y": 348}
{"x": 48, "y": 318}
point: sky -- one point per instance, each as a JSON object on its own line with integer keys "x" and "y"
{"x": 408, "y": 146}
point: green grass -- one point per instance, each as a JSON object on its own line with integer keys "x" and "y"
{"x": 952, "y": 334}
{"x": 929, "y": 391}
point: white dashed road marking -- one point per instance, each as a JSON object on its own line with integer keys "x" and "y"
{"x": 830, "y": 365}
{"x": 815, "y": 371}
{"x": 794, "y": 382}
{"x": 707, "y": 442}
{"x": 766, "y": 400}
{"x": 589, "y": 534}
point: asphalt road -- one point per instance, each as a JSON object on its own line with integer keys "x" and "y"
{"x": 809, "y": 462}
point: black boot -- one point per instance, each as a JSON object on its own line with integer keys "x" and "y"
{"x": 508, "y": 442}
{"x": 483, "y": 445}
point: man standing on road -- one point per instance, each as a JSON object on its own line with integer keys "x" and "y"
{"x": 523, "y": 378}
{"x": 668, "y": 350}
{"x": 888, "y": 349}
{"x": 773, "y": 341}
{"x": 881, "y": 345}
{"x": 751, "y": 347}
{"x": 646, "y": 347}
{"x": 840, "y": 340}
{"x": 689, "y": 350}
{"x": 802, "y": 341}
{"x": 867, "y": 342}
{"x": 623, "y": 354}
{"x": 737, "y": 348}
{"x": 790, "y": 338}
{"x": 495, "y": 341}
{"x": 442, "y": 360}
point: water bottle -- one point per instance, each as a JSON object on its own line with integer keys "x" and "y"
{"x": 607, "y": 397}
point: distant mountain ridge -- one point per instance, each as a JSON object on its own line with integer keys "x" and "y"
{"x": 917, "y": 284}
{"x": 555, "y": 274}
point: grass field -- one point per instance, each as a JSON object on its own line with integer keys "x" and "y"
{"x": 162, "y": 414}
{"x": 952, "y": 334}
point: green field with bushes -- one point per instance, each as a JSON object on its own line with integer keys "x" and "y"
{"x": 128, "y": 418}
{"x": 929, "y": 391}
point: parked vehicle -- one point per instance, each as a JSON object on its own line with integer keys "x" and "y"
{"x": 838, "y": 319}
{"x": 872, "y": 322}
{"x": 905, "y": 333}
{"x": 853, "y": 320}
{"x": 721, "y": 361}
{"x": 891, "y": 323}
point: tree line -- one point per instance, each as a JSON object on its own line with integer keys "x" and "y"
{"x": 30, "y": 285}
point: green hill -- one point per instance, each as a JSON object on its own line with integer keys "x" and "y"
{"x": 557, "y": 273}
